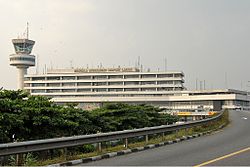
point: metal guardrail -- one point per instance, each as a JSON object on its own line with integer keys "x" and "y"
{"x": 64, "y": 142}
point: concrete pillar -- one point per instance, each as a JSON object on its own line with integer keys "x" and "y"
{"x": 20, "y": 80}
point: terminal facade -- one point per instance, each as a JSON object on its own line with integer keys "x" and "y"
{"x": 91, "y": 88}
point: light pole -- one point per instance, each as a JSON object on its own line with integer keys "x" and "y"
{"x": 248, "y": 85}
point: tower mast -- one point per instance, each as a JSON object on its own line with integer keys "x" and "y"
{"x": 22, "y": 59}
{"x": 27, "y": 30}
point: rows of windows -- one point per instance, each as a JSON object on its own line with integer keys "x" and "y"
{"x": 112, "y": 95}
{"x": 22, "y": 59}
{"x": 101, "y": 90}
{"x": 236, "y": 103}
{"x": 110, "y": 83}
{"x": 104, "y": 77}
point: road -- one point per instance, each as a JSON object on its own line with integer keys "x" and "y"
{"x": 228, "y": 147}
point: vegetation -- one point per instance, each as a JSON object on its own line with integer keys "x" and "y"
{"x": 24, "y": 117}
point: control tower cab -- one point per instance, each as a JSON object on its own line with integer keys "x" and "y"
{"x": 23, "y": 59}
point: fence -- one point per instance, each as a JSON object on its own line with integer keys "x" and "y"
{"x": 65, "y": 142}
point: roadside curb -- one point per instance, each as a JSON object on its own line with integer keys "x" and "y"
{"x": 133, "y": 150}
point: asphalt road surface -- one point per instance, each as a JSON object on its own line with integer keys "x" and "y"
{"x": 228, "y": 147}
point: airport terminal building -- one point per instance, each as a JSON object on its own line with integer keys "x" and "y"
{"x": 91, "y": 88}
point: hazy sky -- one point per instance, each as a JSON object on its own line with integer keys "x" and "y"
{"x": 206, "y": 39}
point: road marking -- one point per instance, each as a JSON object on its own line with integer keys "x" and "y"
{"x": 244, "y": 117}
{"x": 223, "y": 157}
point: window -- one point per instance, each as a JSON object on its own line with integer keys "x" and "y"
{"x": 148, "y": 83}
{"x": 99, "y": 90}
{"x": 68, "y": 84}
{"x": 99, "y": 83}
{"x": 83, "y": 77}
{"x": 53, "y": 78}
{"x": 165, "y": 82}
{"x": 53, "y": 84}
{"x": 38, "y": 78}
{"x": 131, "y": 83}
{"x": 23, "y": 47}
{"x": 131, "y": 76}
{"x": 100, "y": 77}
{"x": 177, "y": 82}
{"x": 115, "y": 90}
{"x": 115, "y": 83}
{"x": 165, "y": 75}
{"x": 53, "y": 90}
{"x": 84, "y": 84}
{"x": 178, "y": 89}
{"x": 165, "y": 89}
{"x": 38, "y": 91}
{"x": 148, "y": 89}
{"x": 22, "y": 58}
{"x": 38, "y": 84}
{"x": 68, "y": 90}
{"x": 68, "y": 78}
{"x": 83, "y": 90}
{"x": 131, "y": 89}
{"x": 177, "y": 75}
{"x": 148, "y": 76}
{"x": 115, "y": 77}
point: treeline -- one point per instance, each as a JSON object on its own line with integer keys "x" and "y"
{"x": 25, "y": 117}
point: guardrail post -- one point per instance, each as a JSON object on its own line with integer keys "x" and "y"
{"x": 19, "y": 159}
{"x": 100, "y": 147}
{"x": 65, "y": 152}
{"x": 146, "y": 139}
{"x": 126, "y": 142}
{"x": 163, "y": 136}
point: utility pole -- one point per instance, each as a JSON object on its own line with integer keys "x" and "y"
{"x": 165, "y": 64}
{"x": 196, "y": 84}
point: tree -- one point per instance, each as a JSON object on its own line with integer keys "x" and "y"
{"x": 36, "y": 117}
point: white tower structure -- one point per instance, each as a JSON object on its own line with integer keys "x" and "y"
{"x": 22, "y": 60}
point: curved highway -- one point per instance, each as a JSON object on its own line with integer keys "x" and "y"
{"x": 230, "y": 146}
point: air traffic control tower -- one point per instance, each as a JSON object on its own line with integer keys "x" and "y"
{"x": 23, "y": 59}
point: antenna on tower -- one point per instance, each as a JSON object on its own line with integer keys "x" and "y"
{"x": 27, "y": 30}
